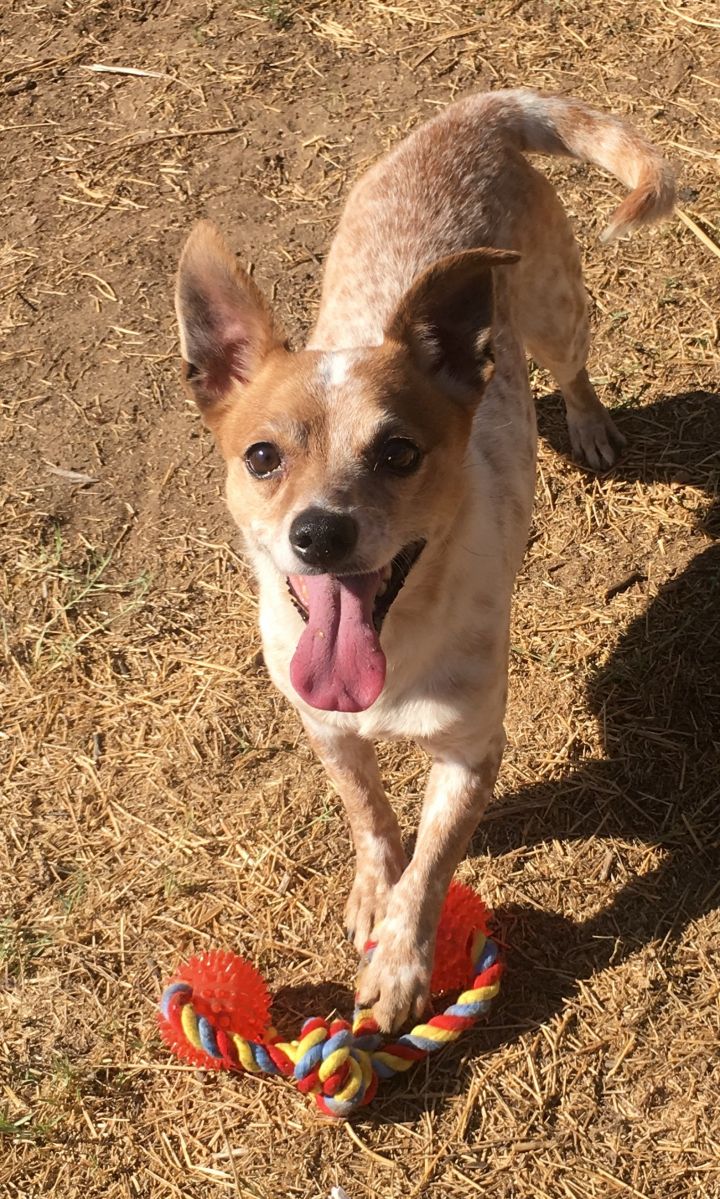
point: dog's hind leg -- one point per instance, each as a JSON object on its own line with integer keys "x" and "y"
{"x": 551, "y": 303}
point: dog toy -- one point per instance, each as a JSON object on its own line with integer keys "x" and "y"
{"x": 215, "y": 1013}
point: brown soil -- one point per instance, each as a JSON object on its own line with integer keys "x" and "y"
{"x": 157, "y": 794}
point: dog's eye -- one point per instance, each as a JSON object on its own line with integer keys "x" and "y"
{"x": 263, "y": 459}
{"x": 399, "y": 455}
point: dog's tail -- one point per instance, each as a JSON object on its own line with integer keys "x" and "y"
{"x": 553, "y": 125}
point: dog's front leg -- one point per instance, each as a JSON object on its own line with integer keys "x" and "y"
{"x": 352, "y": 766}
{"x": 397, "y": 980}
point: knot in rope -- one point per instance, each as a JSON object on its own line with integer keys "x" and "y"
{"x": 334, "y": 1064}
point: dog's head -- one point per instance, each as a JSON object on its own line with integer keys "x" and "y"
{"x": 343, "y": 465}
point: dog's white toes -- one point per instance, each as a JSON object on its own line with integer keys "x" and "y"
{"x": 396, "y": 983}
{"x": 596, "y": 441}
{"x": 368, "y": 900}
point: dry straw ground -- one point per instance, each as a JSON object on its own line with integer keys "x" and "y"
{"x": 158, "y": 796}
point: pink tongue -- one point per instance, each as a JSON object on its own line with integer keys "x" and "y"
{"x": 338, "y": 665}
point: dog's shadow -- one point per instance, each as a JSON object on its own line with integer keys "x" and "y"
{"x": 658, "y": 699}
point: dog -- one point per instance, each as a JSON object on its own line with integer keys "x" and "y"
{"x": 383, "y": 476}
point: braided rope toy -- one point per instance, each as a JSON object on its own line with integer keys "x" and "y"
{"x": 215, "y": 1014}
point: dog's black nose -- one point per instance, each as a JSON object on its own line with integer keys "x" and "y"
{"x": 322, "y": 538}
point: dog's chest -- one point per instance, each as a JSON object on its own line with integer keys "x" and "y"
{"x": 443, "y": 651}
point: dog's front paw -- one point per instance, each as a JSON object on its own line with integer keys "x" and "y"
{"x": 367, "y": 904}
{"x": 396, "y": 982}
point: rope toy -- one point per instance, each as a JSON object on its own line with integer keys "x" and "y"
{"x": 215, "y": 1013}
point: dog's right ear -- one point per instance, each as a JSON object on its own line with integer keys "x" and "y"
{"x": 226, "y": 325}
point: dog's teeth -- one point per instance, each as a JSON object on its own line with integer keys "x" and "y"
{"x": 382, "y": 589}
{"x": 387, "y": 571}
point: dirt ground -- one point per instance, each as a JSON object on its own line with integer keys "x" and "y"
{"x": 158, "y": 796}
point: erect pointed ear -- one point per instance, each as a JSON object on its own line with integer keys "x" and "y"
{"x": 445, "y": 319}
{"x": 226, "y": 325}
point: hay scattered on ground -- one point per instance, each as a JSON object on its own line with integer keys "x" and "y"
{"x": 157, "y": 795}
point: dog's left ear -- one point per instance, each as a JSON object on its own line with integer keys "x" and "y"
{"x": 445, "y": 320}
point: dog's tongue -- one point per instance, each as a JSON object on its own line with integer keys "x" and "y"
{"x": 338, "y": 665}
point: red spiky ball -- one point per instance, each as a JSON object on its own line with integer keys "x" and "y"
{"x": 229, "y": 992}
{"x": 463, "y": 914}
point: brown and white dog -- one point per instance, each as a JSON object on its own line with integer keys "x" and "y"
{"x": 383, "y": 476}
